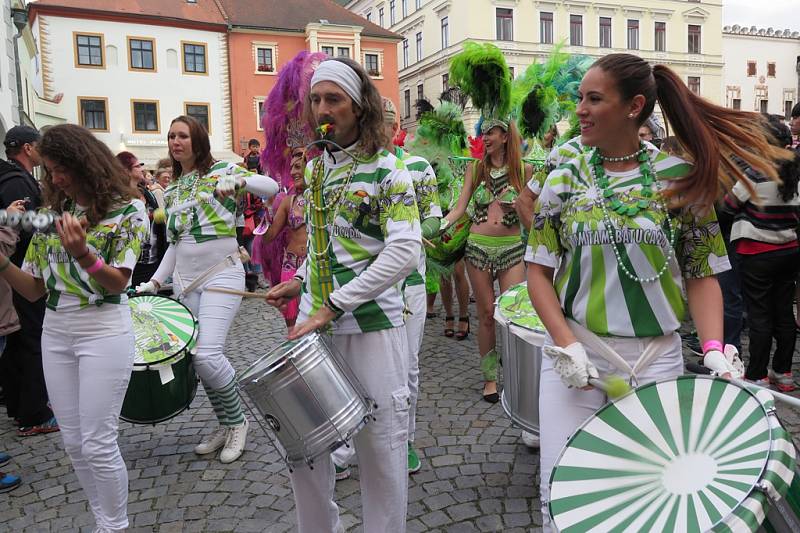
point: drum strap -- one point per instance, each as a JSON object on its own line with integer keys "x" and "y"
{"x": 656, "y": 347}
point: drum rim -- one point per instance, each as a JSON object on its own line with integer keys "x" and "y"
{"x": 244, "y": 379}
{"x": 184, "y": 349}
{"x": 653, "y": 384}
{"x": 542, "y": 331}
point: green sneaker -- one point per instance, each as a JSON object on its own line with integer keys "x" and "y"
{"x": 342, "y": 472}
{"x": 414, "y": 463}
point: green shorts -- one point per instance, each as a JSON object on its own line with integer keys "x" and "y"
{"x": 494, "y": 254}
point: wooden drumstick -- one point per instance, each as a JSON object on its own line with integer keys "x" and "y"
{"x": 428, "y": 243}
{"x": 243, "y": 294}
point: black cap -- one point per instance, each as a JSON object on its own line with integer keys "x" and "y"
{"x": 19, "y": 135}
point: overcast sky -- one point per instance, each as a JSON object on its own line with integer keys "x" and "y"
{"x": 780, "y": 14}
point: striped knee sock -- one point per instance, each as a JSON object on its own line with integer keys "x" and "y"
{"x": 232, "y": 405}
{"x": 216, "y": 403}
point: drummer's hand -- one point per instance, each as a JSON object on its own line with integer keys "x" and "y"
{"x": 72, "y": 234}
{"x": 17, "y": 206}
{"x": 572, "y": 365}
{"x": 228, "y": 184}
{"x": 317, "y": 321}
{"x": 283, "y": 293}
{"x": 151, "y": 286}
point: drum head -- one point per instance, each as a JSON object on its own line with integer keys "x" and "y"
{"x": 267, "y": 363}
{"x": 516, "y": 307}
{"x": 676, "y": 455}
{"x": 163, "y": 327}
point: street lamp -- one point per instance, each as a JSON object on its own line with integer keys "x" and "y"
{"x": 20, "y": 18}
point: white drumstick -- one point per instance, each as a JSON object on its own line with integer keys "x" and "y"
{"x": 718, "y": 367}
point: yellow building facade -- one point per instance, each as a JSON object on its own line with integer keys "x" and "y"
{"x": 683, "y": 34}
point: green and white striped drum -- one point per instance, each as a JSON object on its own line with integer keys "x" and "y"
{"x": 690, "y": 454}
{"x": 522, "y": 336}
{"x": 163, "y": 382}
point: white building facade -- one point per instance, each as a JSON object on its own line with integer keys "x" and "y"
{"x": 683, "y": 35}
{"x": 762, "y": 69}
{"x": 126, "y": 78}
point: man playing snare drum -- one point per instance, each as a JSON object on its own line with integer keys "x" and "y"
{"x": 364, "y": 239}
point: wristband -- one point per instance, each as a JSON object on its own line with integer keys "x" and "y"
{"x": 298, "y": 278}
{"x": 95, "y": 267}
{"x": 712, "y": 345}
{"x": 84, "y": 254}
{"x": 5, "y": 265}
{"x": 333, "y": 307}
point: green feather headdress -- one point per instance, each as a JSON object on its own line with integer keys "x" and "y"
{"x": 481, "y": 72}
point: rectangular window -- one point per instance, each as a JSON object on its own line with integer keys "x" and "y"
{"x": 392, "y": 18}
{"x": 343, "y": 51}
{"x": 661, "y": 37}
{"x": 512, "y": 72}
{"x": 405, "y": 53}
{"x": 787, "y": 109}
{"x": 751, "y": 68}
{"x": 369, "y": 16}
{"x": 380, "y": 17}
{"x": 198, "y": 111}
{"x": 737, "y": 103}
{"x": 420, "y": 92}
{"x": 259, "y": 108}
{"x": 417, "y": 4}
{"x": 371, "y": 64}
{"x": 145, "y": 117}
{"x": 770, "y": 70}
{"x": 633, "y": 34}
{"x": 328, "y": 50}
{"x": 407, "y": 103}
{"x": 194, "y": 58}
{"x": 404, "y": 7}
{"x": 694, "y": 39}
{"x": 694, "y": 84}
{"x": 264, "y": 60}
{"x": 546, "y": 27}
{"x": 89, "y": 50}
{"x": 605, "y": 32}
{"x": 94, "y": 113}
{"x": 505, "y": 24}
{"x": 576, "y": 30}
{"x": 445, "y": 82}
{"x": 419, "y": 46}
{"x": 141, "y": 54}
{"x": 763, "y": 106}
{"x": 445, "y": 32}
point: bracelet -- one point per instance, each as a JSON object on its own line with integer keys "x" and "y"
{"x": 5, "y": 265}
{"x": 95, "y": 267}
{"x": 712, "y": 345}
{"x": 298, "y": 278}
{"x": 333, "y": 307}
{"x": 84, "y": 254}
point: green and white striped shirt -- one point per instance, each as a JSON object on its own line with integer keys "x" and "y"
{"x": 377, "y": 208}
{"x": 427, "y": 192}
{"x": 117, "y": 239}
{"x": 569, "y": 235}
{"x": 210, "y": 219}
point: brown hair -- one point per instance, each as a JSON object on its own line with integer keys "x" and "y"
{"x": 371, "y": 135}
{"x": 201, "y": 147}
{"x": 516, "y": 174}
{"x": 710, "y": 134}
{"x": 97, "y": 174}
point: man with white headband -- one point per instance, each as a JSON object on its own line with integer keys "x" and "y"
{"x": 364, "y": 240}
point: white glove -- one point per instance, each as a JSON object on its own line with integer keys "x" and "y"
{"x": 227, "y": 185}
{"x": 726, "y": 365}
{"x": 147, "y": 287}
{"x": 572, "y": 364}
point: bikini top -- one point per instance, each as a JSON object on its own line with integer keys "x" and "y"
{"x": 296, "y": 221}
{"x": 498, "y": 189}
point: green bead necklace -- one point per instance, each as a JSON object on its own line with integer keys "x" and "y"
{"x": 617, "y": 205}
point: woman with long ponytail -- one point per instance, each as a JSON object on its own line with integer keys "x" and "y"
{"x": 623, "y": 231}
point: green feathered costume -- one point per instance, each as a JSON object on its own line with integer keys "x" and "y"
{"x": 481, "y": 72}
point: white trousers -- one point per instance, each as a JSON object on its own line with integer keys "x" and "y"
{"x": 214, "y": 311}
{"x": 379, "y": 361}
{"x": 87, "y": 357}
{"x": 416, "y": 300}
{"x": 562, "y": 410}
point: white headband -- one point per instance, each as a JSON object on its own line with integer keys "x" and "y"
{"x": 340, "y": 74}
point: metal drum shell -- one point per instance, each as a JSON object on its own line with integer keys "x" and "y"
{"x": 308, "y": 397}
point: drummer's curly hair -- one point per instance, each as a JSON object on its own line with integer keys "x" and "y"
{"x": 95, "y": 173}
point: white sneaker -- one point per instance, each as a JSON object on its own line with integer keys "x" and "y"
{"x": 213, "y": 442}
{"x": 234, "y": 444}
{"x": 530, "y": 440}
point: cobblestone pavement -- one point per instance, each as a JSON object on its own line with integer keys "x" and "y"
{"x": 476, "y": 474}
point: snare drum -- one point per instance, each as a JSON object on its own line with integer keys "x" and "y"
{"x": 693, "y": 453}
{"x": 163, "y": 382}
{"x": 522, "y": 336}
{"x": 308, "y": 397}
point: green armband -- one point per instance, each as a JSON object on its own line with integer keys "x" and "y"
{"x": 430, "y": 227}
